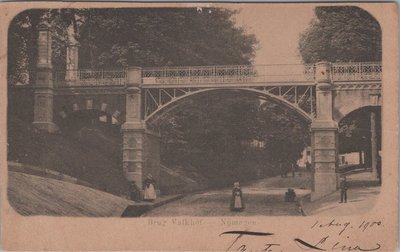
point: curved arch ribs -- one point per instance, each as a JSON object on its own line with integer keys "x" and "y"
{"x": 300, "y": 98}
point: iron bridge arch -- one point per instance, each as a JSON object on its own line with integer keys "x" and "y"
{"x": 300, "y": 99}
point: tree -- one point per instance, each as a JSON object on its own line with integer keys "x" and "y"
{"x": 341, "y": 34}
{"x": 213, "y": 132}
{"x": 344, "y": 34}
{"x": 285, "y": 133}
{"x": 209, "y": 132}
{"x": 22, "y": 41}
{"x": 163, "y": 37}
{"x": 134, "y": 36}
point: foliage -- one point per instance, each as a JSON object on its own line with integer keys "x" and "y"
{"x": 22, "y": 41}
{"x": 344, "y": 34}
{"x": 285, "y": 133}
{"x": 120, "y": 37}
{"x": 355, "y": 130}
{"x": 163, "y": 37}
{"x": 341, "y": 34}
{"x": 214, "y": 131}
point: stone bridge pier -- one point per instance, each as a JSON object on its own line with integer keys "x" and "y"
{"x": 324, "y": 137}
{"x": 141, "y": 147}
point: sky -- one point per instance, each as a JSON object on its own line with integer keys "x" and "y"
{"x": 277, "y": 28}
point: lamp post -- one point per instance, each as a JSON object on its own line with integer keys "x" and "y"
{"x": 375, "y": 99}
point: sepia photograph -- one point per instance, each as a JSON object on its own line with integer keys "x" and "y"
{"x": 188, "y": 111}
{"x": 191, "y": 111}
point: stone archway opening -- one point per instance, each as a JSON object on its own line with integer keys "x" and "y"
{"x": 360, "y": 141}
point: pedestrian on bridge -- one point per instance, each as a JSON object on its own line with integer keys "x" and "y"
{"x": 237, "y": 198}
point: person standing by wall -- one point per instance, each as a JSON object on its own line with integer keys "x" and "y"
{"x": 149, "y": 190}
{"x": 134, "y": 192}
{"x": 343, "y": 190}
{"x": 379, "y": 168}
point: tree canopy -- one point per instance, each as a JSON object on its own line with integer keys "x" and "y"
{"x": 120, "y": 37}
{"x": 345, "y": 34}
{"x": 163, "y": 37}
{"x": 341, "y": 34}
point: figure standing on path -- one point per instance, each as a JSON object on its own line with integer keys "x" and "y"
{"x": 293, "y": 170}
{"x": 237, "y": 198}
{"x": 149, "y": 191}
{"x": 134, "y": 192}
{"x": 343, "y": 191}
{"x": 290, "y": 195}
{"x": 379, "y": 168}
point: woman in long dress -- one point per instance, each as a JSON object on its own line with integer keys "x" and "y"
{"x": 149, "y": 191}
{"x": 237, "y": 198}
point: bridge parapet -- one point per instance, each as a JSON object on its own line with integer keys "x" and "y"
{"x": 88, "y": 78}
{"x": 247, "y": 75}
{"x": 229, "y": 74}
{"x": 357, "y": 71}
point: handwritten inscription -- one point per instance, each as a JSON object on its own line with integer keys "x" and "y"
{"x": 333, "y": 236}
{"x": 341, "y": 230}
{"x": 237, "y": 245}
{"x": 343, "y": 226}
{"x": 328, "y": 243}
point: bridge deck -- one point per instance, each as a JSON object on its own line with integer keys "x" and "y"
{"x": 223, "y": 76}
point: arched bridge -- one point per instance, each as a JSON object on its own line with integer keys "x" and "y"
{"x": 292, "y": 85}
{"x": 323, "y": 93}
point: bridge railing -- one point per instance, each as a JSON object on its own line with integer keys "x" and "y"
{"x": 356, "y": 71}
{"x": 86, "y": 77}
{"x": 228, "y": 74}
{"x": 240, "y": 74}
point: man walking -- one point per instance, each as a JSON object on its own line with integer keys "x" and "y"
{"x": 343, "y": 191}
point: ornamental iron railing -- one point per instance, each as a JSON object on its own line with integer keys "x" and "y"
{"x": 239, "y": 74}
{"x": 228, "y": 74}
{"x": 87, "y": 78}
{"x": 358, "y": 71}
